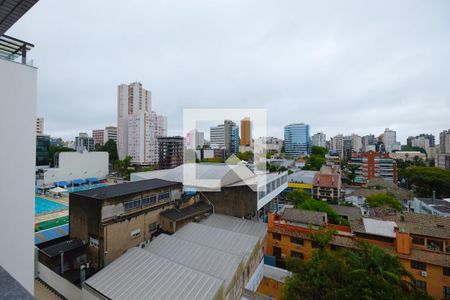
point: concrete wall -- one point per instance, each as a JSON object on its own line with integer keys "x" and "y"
{"x": 17, "y": 159}
{"x": 75, "y": 165}
{"x": 60, "y": 284}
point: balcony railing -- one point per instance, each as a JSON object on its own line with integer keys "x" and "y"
{"x": 13, "y": 49}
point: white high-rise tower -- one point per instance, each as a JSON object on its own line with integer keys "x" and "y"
{"x": 138, "y": 127}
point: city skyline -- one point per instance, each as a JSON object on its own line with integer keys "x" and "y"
{"x": 251, "y": 54}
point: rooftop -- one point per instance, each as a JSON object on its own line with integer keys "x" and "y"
{"x": 422, "y": 224}
{"x": 188, "y": 212}
{"x": 122, "y": 189}
{"x": 438, "y": 204}
{"x": 139, "y": 274}
{"x": 302, "y": 216}
{"x": 351, "y": 212}
{"x": 327, "y": 180}
{"x": 302, "y": 177}
{"x": 10, "y": 288}
{"x": 237, "y": 225}
{"x": 65, "y": 246}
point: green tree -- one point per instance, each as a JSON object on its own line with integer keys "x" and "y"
{"x": 247, "y": 155}
{"x": 383, "y": 200}
{"x": 297, "y": 197}
{"x": 124, "y": 167}
{"x": 425, "y": 180}
{"x": 322, "y": 206}
{"x": 350, "y": 172}
{"x": 111, "y": 147}
{"x": 314, "y": 162}
{"x": 369, "y": 273}
{"x": 317, "y": 150}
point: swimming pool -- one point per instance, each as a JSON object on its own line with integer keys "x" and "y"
{"x": 84, "y": 187}
{"x": 43, "y": 206}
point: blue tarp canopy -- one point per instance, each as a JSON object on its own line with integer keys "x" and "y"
{"x": 92, "y": 180}
{"x": 78, "y": 181}
{"x": 62, "y": 183}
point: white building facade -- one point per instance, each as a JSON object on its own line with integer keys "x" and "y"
{"x": 319, "y": 139}
{"x": 137, "y": 125}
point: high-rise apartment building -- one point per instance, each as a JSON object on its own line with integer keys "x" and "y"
{"x": 110, "y": 133}
{"x": 443, "y": 161}
{"x": 369, "y": 142}
{"x": 99, "y": 136}
{"x": 357, "y": 145}
{"x": 319, "y": 139}
{"x": 337, "y": 145}
{"x": 84, "y": 141}
{"x": 444, "y": 141}
{"x": 390, "y": 140}
{"x": 225, "y": 136}
{"x": 246, "y": 132}
{"x": 42, "y": 150}
{"x": 40, "y": 125}
{"x": 431, "y": 139}
{"x": 421, "y": 142}
{"x": 170, "y": 152}
{"x": 195, "y": 139}
{"x": 138, "y": 127}
{"x": 297, "y": 140}
{"x": 374, "y": 165}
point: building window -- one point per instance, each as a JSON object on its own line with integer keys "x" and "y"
{"x": 446, "y": 271}
{"x": 298, "y": 241}
{"x": 132, "y": 204}
{"x": 446, "y": 292}
{"x": 418, "y": 265}
{"x": 135, "y": 233}
{"x": 153, "y": 226}
{"x": 418, "y": 241}
{"x": 435, "y": 245}
{"x": 297, "y": 254}
{"x": 277, "y": 252}
{"x": 163, "y": 196}
{"x": 420, "y": 284}
{"x": 276, "y": 236}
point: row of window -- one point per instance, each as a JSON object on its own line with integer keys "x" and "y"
{"x": 418, "y": 265}
{"x": 146, "y": 201}
{"x": 423, "y": 285}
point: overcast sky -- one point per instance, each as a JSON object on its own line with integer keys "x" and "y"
{"x": 340, "y": 66}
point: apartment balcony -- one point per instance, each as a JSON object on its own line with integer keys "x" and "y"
{"x": 15, "y": 50}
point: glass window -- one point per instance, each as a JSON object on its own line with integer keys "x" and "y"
{"x": 298, "y": 241}
{"x": 446, "y": 271}
{"x": 297, "y": 254}
{"x": 420, "y": 284}
{"x": 418, "y": 240}
{"x": 435, "y": 245}
{"x": 418, "y": 265}
{"x": 446, "y": 292}
{"x": 276, "y": 236}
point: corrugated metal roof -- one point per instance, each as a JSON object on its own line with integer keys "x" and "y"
{"x": 139, "y": 274}
{"x": 228, "y": 241}
{"x": 237, "y": 225}
{"x": 11, "y": 11}
{"x": 207, "y": 260}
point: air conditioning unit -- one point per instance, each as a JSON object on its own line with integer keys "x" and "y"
{"x": 424, "y": 273}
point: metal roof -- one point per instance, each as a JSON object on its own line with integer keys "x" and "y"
{"x": 221, "y": 239}
{"x": 380, "y": 227}
{"x": 204, "y": 259}
{"x": 175, "y": 214}
{"x": 10, "y": 288}
{"x": 122, "y": 189}
{"x": 11, "y": 11}
{"x": 255, "y": 229}
{"x": 139, "y": 274}
{"x": 65, "y": 246}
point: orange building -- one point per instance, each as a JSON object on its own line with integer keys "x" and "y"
{"x": 246, "y": 137}
{"x": 422, "y": 242}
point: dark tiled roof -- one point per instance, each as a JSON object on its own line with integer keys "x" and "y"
{"x": 304, "y": 216}
{"x": 422, "y": 224}
{"x": 122, "y": 189}
{"x": 350, "y": 212}
{"x": 188, "y": 212}
{"x": 10, "y": 288}
{"x": 65, "y": 246}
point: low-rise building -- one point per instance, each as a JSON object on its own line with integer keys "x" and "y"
{"x": 301, "y": 180}
{"x": 215, "y": 259}
{"x": 327, "y": 184}
{"x": 114, "y": 218}
{"x": 430, "y": 206}
{"x": 408, "y": 155}
{"x": 422, "y": 242}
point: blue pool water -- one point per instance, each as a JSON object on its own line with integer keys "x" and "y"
{"x": 43, "y": 206}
